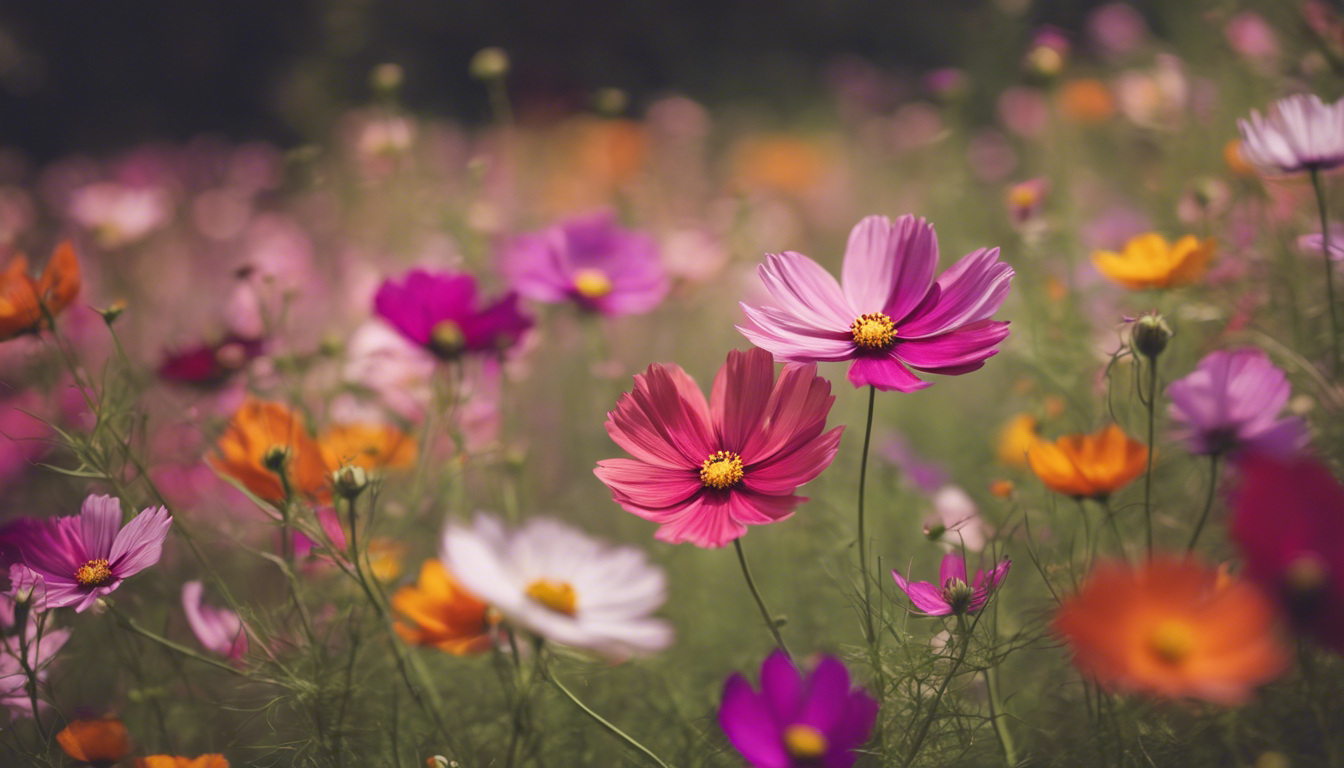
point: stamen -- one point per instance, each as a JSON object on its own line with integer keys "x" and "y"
{"x": 873, "y": 330}
{"x": 1171, "y": 641}
{"x": 592, "y": 283}
{"x": 558, "y": 596}
{"x": 94, "y": 573}
{"x": 723, "y": 469}
{"x": 805, "y": 742}
{"x": 446, "y": 338}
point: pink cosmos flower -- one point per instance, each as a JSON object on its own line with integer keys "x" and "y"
{"x": 83, "y": 558}
{"x": 958, "y": 593}
{"x": 888, "y": 311}
{"x": 1300, "y": 133}
{"x": 218, "y": 629}
{"x": 1231, "y": 402}
{"x": 437, "y": 310}
{"x": 707, "y": 470}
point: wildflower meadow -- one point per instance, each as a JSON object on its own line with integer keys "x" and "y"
{"x": 978, "y": 414}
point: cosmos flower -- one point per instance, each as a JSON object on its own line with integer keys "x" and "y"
{"x": 264, "y": 439}
{"x": 374, "y": 447}
{"x": 101, "y": 741}
{"x": 797, "y": 722}
{"x": 1088, "y": 466}
{"x": 23, "y": 299}
{"x": 888, "y": 312}
{"x": 438, "y": 311}
{"x": 1016, "y": 438}
{"x": 705, "y": 470}
{"x": 218, "y": 629}
{"x": 1169, "y": 628}
{"x": 591, "y": 261}
{"x": 82, "y": 558}
{"x": 956, "y": 592}
{"x": 1231, "y": 402}
{"x": 437, "y": 611}
{"x": 1149, "y": 261}
{"x": 1300, "y": 133}
{"x": 175, "y": 761}
{"x": 210, "y": 364}
{"x": 555, "y": 581}
{"x": 1288, "y": 522}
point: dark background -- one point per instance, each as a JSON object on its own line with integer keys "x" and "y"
{"x": 99, "y": 74}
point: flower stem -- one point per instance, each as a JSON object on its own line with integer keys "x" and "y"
{"x": 1208, "y": 503}
{"x": 964, "y": 635}
{"x": 602, "y": 721}
{"x": 996, "y": 717}
{"x": 765, "y": 613}
{"x": 1319, "y": 187}
{"x": 1148, "y": 475}
{"x": 870, "y": 634}
{"x": 128, "y": 623}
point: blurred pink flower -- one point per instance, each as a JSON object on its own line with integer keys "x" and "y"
{"x": 119, "y": 215}
{"x": 1231, "y": 402}
{"x": 1252, "y": 37}
{"x": 1299, "y": 133}
{"x": 1117, "y": 29}
{"x": 219, "y": 629}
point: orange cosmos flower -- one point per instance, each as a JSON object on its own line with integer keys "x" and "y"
{"x": 102, "y": 741}
{"x": 440, "y": 613}
{"x": 170, "y": 761}
{"x": 1149, "y": 261}
{"x": 371, "y": 446}
{"x": 1016, "y": 438}
{"x": 1168, "y": 628}
{"x": 1088, "y": 466}
{"x": 1086, "y": 101}
{"x": 22, "y": 299}
{"x": 264, "y": 439}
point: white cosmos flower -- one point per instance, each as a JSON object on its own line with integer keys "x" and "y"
{"x": 1300, "y": 133}
{"x": 557, "y": 582}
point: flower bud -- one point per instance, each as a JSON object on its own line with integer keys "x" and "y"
{"x": 350, "y": 481}
{"x": 1150, "y": 335}
{"x": 114, "y": 311}
{"x": 490, "y": 64}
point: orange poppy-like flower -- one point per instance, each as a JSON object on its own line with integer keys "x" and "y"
{"x": 172, "y": 761}
{"x": 778, "y": 163}
{"x": 264, "y": 439}
{"x": 438, "y": 612}
{"x": 1088, "y": 466}
{"x": 102, "y": 741}
{"x": 22, "y": 299}
{"x": 385, "y": 556}
{"x": 371, "y": 446}
{"x": 1168, "y": 628}
{"x": 1149, "y": 261}
{"x": 1086, "y": 101}
{"x": 1016, "y": 438}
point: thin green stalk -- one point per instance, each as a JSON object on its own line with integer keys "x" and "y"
{"x": 964, "y": 635}
{"x": 1105, "y": 503}
{"x": 863, "y": 537}
{"x": 996, "y": 718}
{"x": 765, "y": 613}
{"x": 1148, "y": 475}
{"x": 602, "y": 721}
{"x": 1319, "y": 186}
{"x": 128, "y": 623}
{"x": 1208, "y": 503}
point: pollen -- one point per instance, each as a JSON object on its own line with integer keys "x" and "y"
{"x": 805, "y": 742}
{"x": 94, "y": 573}
{"x": 873, "y": 330}
{"x": 558, "y": 596}
{"x": 1171, "y": 641}
{"x": 591, "y": 283}
{"x": 446, "y": 338}
{"x": 723, "y": 469}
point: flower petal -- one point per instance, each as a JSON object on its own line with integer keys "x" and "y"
{"x": 140, "y": 544}
{"x": 889, "y": 266}
{"x": 747, "y": 722}
{"x": 885, "y": 373}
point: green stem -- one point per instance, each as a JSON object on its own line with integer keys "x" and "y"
{"x": 870, "y": 634}
{"x": 1106, "y": 510}
{"x": 1208, "y": 503}
{"x": 996, "y": 717}
{"x": 128, "y": 623}
{"x": 602, "y": 721}
{"x": 1148, "y": 475}
{"x": 1319, "y": 187}
{"x": 964, "y": 635}
{"x": 765, "y": 613}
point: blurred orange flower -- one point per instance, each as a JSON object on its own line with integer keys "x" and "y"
{"x": 264, "y": 439}
{"x": 1086, "y": 101}
{"x": 22, "y": 298}
{"x": 103, "y": 740}
{"x": 1167, "y": 628}
{"x": 1149, "y": 261}
{"x": 371, "y": 446}
{"x": 1088, "y": 466}
{"x": 1235, "y": 162}
{"x": 778, "y": 163}
{"x": 170, "y": 761}
{"x": 440, "y": 613}
{"x": 1016, "y": 438}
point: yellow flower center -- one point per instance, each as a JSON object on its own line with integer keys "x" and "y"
{"x": 557, "y": 595}
{"x": 94, "y": 573}
{"x": 1022, "y": 196}
{"x": 592, "y": 283}
{"x": 1172, "y": 641}
{"x": 804, "y": 742}
{"x": 873, "y": 330}
{"x": 446, "y": 338}
{"x": 723, "y": 469}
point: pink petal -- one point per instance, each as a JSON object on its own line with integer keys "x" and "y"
{"x": 807, "y": 291}
{"x": 664, "y": 420}
{"x": 885, "y": 373}
{"x": 928, "y": 599}
{"x": 782, "y": 687}
{"x": 706, "y": 522}
{"x": 952, "y": 567}
{"x": 140, "y": 544}
{"x": 972, "y": 290}
{"x": 739, "y": 397}
{"x": 786, "y": 471}
{"x": 828, "y": 690}
{"x": 961, "y": 350}
{"x": 795, "y": 413}
{"x": 99, "y": 521}
{"x": 752, "y": 508}
{"x": 790, "y": 340}
{"x": 746, "y": 721}
{"x": 889, "y": 266}
{"x": 648, "y": 485}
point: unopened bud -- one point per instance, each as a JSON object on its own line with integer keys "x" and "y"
{"x": 114, "y": 311}
{"x": 934, "y": 532}
{"x": 1150, "y": 335}
{"x": 350, "y": 481}
{"x": 490, "y": 64}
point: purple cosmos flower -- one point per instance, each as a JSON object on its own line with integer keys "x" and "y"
{"x": 82, "y": 558}
{"x": 1231, "y": 402}
{"x": 438, "y": 311}
{"x": 591, "y": 261}
{"x": 794, "y": 722}
{"x": 1300, "y": 133}
{"x": 958, "y": 594}
{"x": 890, "y": 312}
{"x": 208, "y": 365}
{"x": 218, "y": 629}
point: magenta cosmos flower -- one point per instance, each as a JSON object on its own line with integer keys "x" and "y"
{"x": 796, "y": 722}
{"x": 1231, "y": 402}
{"x": 1300, "y": 133}
{"x": 439, "y": 312}
{"x": 1288, "y": 522}
{"x": 590, "y": 261}
{"x": 80, "y": 559}
{"x": 218, "y": 629}
{"x": 958, "y": 593}
{"x": 707, "y": 470}
{"x": 888, "y": 312}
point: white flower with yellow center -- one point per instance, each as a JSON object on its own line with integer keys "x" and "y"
{"x": 555, "y": 581}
